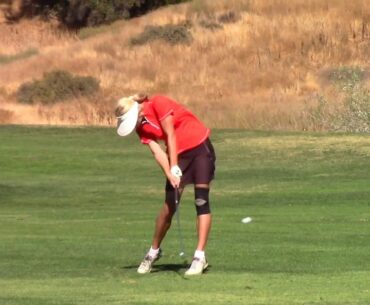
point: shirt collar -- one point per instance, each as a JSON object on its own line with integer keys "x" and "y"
{"x": 146, "y": 108}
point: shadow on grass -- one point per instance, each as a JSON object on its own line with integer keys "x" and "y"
{"x": 177, "y": 268}
{"x": 162, "y": 267}
{"x": 170, "y": 267}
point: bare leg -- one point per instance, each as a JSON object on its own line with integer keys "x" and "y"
{"x": 204, "y": 226}
{"x": 163, "y": 223}
{"x": 204, "y": 223}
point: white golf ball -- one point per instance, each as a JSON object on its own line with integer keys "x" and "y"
{"x": 246, "y": 220}
{"x": 182, "y": 254}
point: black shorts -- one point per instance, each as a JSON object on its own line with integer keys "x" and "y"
{"x": 197, "y": 165}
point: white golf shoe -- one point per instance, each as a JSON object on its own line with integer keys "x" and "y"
{"x": 198, "y": 265}
{"x": 146, "y": 264}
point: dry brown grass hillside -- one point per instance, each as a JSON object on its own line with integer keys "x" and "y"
{"x": 259, "y": 71}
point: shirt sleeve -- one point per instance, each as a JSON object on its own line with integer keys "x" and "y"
{"x": 163, "y": 107}
{"x": 144, "y": 139}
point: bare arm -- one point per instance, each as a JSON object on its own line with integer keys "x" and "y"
{"x": 162, "y": 159}
{"x": 168, "y": 127}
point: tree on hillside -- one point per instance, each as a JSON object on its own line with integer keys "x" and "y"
{"x": 80, "y": 13}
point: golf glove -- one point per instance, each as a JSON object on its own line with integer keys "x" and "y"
{"x": 176, "y": 171}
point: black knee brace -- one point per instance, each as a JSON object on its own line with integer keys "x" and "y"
{"x": 202, "y": 201}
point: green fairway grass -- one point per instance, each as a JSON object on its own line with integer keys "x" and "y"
{"x": 77, "y": 211}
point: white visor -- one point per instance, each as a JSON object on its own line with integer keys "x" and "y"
{"x": 127, "y": 122}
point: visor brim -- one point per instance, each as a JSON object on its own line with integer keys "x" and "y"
{"x": 127, "y": 122}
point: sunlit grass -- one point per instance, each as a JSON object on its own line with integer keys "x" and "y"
{"x": 78, "y": 208}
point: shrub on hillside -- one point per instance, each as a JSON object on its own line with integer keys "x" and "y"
{"x": 355, "y": 116}
{"x": 170, "y": 33}
{"x": 352, "y": 113}
{"x": 346, "y": 77}
{"x": 211, "y": 25}
{"x": 93, "y": 12}
{"x": 80, "y": 13}
{"x": 56, "y": 86}
{"x": 6, "y": 59}
{"x": 229, "y": 17}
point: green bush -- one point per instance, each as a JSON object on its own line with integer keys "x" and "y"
{"x": 211, "y": 25}
{"x": 80, "y": 13}
{"x": 355, "y": 116}
{"x": 352, "y": 112}
{"x": 172, "y": 34}
{"x": 229, "y": 17}
{"x": 346, "y": 77}
{"x": 56, "y": 86}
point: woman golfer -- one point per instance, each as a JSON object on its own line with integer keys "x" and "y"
{"x": 189, "y": 159}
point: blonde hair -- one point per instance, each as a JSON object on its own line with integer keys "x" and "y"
{"x": 124, "y": 104}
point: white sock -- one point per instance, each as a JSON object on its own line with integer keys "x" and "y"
{"x": 153, "y": 252}
{"x": 199, "y": 254}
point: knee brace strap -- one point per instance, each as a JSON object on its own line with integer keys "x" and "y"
{"x": 202, "y": 201}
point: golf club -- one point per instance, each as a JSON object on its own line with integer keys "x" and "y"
{"x": 182, "y": 252}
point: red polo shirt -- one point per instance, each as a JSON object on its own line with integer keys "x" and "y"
{"x": 189, "y": 130}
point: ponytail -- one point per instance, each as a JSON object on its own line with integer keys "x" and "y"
{"x": 125, "y": 103}
{"x": 140, "y": 97}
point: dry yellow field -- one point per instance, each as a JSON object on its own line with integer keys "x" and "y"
{"x": 259, "y": 72}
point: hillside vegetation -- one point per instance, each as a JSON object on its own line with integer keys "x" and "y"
{"x": 80, "y": 13}
{"x": 248, "y": 64}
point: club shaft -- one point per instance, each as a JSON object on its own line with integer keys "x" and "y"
{"x": 178, "y": 220}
